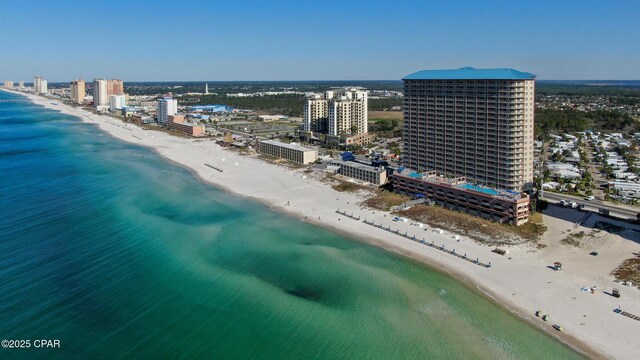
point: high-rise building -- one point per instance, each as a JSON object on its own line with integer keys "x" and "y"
{"x": 117, "y": 102}
{"x": 476, "y": 123}
{"x": 115, "y": 87}
{"x": 316, "y": 112}
{"x": 100, "y": 99}
{"x": 37, "y": 84}
{"x": 167, "y": 106}
{"x": 348, "y": 113}
{"x": 78, "y": 92}
{"x": 21, "y": 85}
{"x": 337, "y": 112}
{"x": 8, "y": 84}
{"x": 40, "y": 85}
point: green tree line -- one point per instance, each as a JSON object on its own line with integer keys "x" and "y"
{"x": 552, "y": 121}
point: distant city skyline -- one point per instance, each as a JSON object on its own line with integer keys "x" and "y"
{"x": 356, "y": 40}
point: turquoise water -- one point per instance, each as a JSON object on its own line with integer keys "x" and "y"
{"x": 479, "y": 189}
{"x": 119, "y": 254}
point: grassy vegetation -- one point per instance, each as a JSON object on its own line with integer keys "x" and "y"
{"x": 389, "y": 115}
{"x": 481, "y": 230}
{"x": 574, "y": 239}
{"x": 345, "y": 186}
{"x": 385, "y": 200}
{"x": 629, "y": 270}
{"x": 536, "y": 218}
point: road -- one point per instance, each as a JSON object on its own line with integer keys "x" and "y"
{"x": 620, "y": 211}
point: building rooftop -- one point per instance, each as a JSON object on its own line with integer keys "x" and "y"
{"x": 469, "y": 73}
{"x": 291, "y": 146}
{"x": 357, "y": 165}
{"x": 460, "y": 183}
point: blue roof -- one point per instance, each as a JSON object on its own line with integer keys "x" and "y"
{"x": 469, "y": 73}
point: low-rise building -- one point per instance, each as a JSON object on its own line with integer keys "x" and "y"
{"x": 348, "y": 140}
{"x": 506, "y": 206}
{"x": 269, "y": 118}
{"x": 217, "y": 108}
{"x": 371, "y": 174}
{"x": 177, "y": 123}
{"x": 141, "y": 119}
{"x": 343, "y": 140}
{"x": 289, "y": 151}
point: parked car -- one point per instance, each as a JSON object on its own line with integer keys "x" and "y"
{"x": 590, "y": 198}
{"x": 564, "y": 203}
{"x": 573, "y": 204}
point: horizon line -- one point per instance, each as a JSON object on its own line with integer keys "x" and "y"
{"x": 333, "y": 80}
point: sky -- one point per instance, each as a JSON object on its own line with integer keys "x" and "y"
{"x": 228, "y": 40}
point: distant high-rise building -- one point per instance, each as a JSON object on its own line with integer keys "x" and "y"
{"x": 117, "y": 102}
{"x": 476, "y": 123}
{"x": 206, "y": 89}
{"x": 78, "y": 92}
{"x": 8, "y": 84}
{"x": 100, "y": 99}
{"x": 115, "y": 87}
{"x": 167, "y": 106}
{"x": 37, "y": 84}
{"x": 21, "y": 85}
{"x": 40, "y": 85}
{"x": 337, "y": 112}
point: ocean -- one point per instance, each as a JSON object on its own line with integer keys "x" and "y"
{"x": 117, "y": 253}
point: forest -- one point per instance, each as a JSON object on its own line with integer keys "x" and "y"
{"x": 551, "y": 120}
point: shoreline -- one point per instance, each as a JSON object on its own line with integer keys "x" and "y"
{"x": 494, "y": 284}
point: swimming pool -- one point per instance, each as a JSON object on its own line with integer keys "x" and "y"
{"x": 479, "y": 189}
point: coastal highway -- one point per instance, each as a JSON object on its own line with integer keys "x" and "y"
{"x": 620, "y": 211}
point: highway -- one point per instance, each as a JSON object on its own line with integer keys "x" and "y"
{"x": 621, "y": 211}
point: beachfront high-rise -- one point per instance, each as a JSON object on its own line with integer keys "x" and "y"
{"x": 77, "y": 90}
{"x": 8, "y": 84}
{"x": 316, "y": 112}
{"x": 476, "y": 123}
{"x": 167, "y": 106}
{"x": 100, "y": 98}
{"x": 115, "y": 87}
{"x": 117, "y": 102}
{"x": 40, "y": 85}
{"x": 337, "y": 112}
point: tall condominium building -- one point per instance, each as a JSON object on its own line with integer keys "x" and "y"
{"x": 100, "y": 98}
{"x": 336, "y": 112}
{"x": 40, "y": 85}
{"x": 78, "y": 92}
{"x": 316, "y": 112}
{"x": 476, "y": 123}
{"x": 167, "y": 106}
{"x": 115, "y": 87}
{"x": 117, "y": 102}
{"x": 21, "y": 85}
{"x": 8, "y": 84}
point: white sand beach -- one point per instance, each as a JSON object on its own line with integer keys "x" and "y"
{"x": 520, "y": 281}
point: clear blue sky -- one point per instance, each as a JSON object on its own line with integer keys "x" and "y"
{"x": 309, "y": 40}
